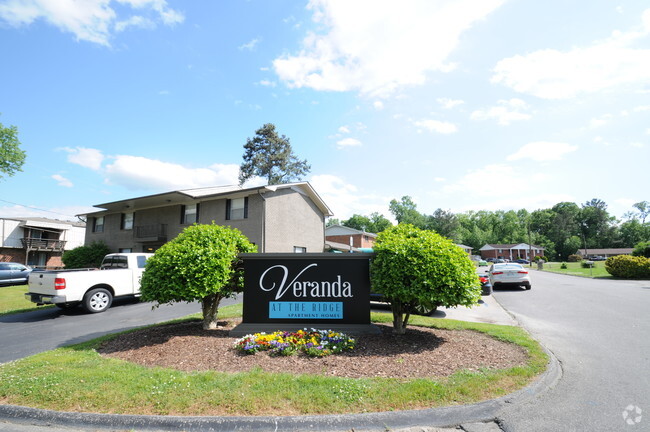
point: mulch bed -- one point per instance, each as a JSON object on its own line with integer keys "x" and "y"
{"x": 421, "y": 352}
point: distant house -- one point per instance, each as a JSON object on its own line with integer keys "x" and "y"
{"x": 38, "y": 242}
{"x": 511, "y": 251}
{"x": 342, "y": 238}
{"x": 588, "y": 253}
{"x": 467, "y": 249}
{"x": 276, "y": 218}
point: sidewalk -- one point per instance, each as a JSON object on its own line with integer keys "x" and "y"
{"x": 487, "y": 311}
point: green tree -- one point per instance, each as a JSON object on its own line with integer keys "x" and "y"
{"x": 633, "y": 232}
{"x": 375, "y": 223}
{"x": 270, "y": 156}
{"x": 12, "y": 157}
{"x": 642, "y": 249}
{"x": 332, "y": 222}
{"x": 379, "y": 223}
{"x": 596, "y": 224}
{"x": 88, "y": 256}
{"x": 445, "y": 223}
{"x": 200, "y": 264}
{"x": 564, "y": 227}
{"x": 415, "y": 267}
{"x": 643, "y": 208}
{"x": 405, "y": 211}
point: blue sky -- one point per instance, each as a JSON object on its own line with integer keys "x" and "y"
{"x": 461, "y": 104}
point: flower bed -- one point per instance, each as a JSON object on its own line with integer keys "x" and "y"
{"x": 314, "y": 343}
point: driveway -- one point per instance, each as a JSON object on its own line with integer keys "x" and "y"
{"x": 599, "y": 330}
{"x": 29, "y": 333}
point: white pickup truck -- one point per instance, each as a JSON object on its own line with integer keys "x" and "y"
{"x": 119, "y": 275}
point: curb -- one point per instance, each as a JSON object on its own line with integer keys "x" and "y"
{"x": 382, "y": 421}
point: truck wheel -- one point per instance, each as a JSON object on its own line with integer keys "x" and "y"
{"x": 97, "y": 300}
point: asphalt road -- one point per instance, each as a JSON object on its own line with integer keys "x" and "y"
{"x": 600, "y": 332}
{"x": 25, "y": 334}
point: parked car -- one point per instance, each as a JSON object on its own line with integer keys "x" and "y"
{"x": 482, "y": 263}
{"x": 499, "y": 260}
{"x": 512, "y": 274}
{"x": 522, "y": 261}
{"x": 597, "y": 258}
{"x": 14, "y": 273}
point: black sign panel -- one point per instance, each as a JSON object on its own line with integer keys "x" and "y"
{"x": 307, "y": 288}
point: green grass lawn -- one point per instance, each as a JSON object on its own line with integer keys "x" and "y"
{"x": 575, "y": 268}
{"x": 77, "y": 378}
{"x": 12, "y": 300}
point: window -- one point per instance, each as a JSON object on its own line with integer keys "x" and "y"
{"x": 189, "y": 214}
{"x": 127, "y": 221}
{"x": 299, "y": 249}
{"x": 125, "y": 250}
{"x": 98, "y": 224}
{"x": 115, "y": 262}
{"x": 237, "y": 208}
{"x": 142, "y": 261}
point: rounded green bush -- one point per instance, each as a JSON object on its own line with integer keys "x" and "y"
{"x": 199, "y": 264}
{"x": 628, "y": 267}
{"x": 418, "y": 267}
{"x": 89, "y": 256}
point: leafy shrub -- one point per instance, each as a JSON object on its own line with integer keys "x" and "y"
{"x": 586, "y": 264}
{"x": 537, "y": 258}
{"x": 563, "y": 266}
{"x": 642, "y": 249}
{"x": 200, "y": 264}
{"x": 574, "y": 258}
{"x": 628, "y": 267}
{"x": 89, "y": 256}
{"x": 414, "y": 267}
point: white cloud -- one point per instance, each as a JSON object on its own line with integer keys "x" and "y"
{"x": 528, "y": 199}
{"x": 516, "y": 180}
{"x": 135, "y": 172}
{"x": 88, "y": 20}
{"x": 542, "y": 151}
{"x": 86, "y": 157}
{"x": 61, "y": 213}
{"x": 348, "y": 142}
{"x": 600, "y": 121}
{"x": 449, "y": 103}
{"x": 637, "y": 144}
{"x": 345, "y": 199}
{"x": 344, "y": 129}
{"x": 552, "y": 74}
{"x": 62, "y": 181}
{"x": 379, "y": 105}
{"x": 504, "y": 113}
{"x": 135, "y": 21}
{"x": 267, "y": 83}
{"x": 378, "y": 46}
{"x": 436, "y": 126}
{"x": 249, "y": 46}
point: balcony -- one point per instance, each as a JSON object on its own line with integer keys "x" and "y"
{"x": 151, "y": 233}
{"x": 43, "y": 244}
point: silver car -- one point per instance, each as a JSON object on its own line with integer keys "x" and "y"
{"x": 512, "y": 274}
{"x": 13, "y": 273}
